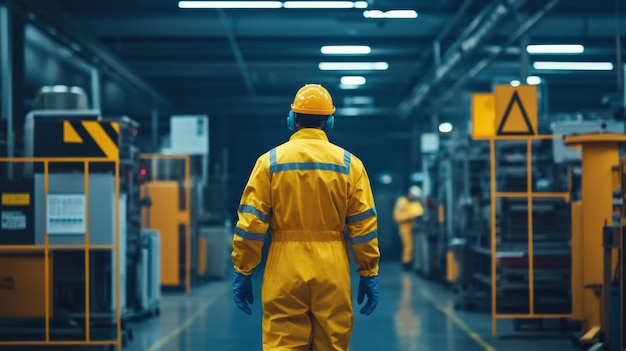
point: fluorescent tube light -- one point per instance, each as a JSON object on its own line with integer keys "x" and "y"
{"x": 353, "y": 66}
{"x": 319, "y": 4}
{"x": 352, "y": 80}
{"x": 574, "y": 66}
{"x": 230, "y": 4}
{"x": 346, "y": 50}
{"x": 390, "y": 14}
{"x": 515, "y": 83}
{"x": 533, "y": 80}
{"x": 348, "y": 87}
{"x": 348, "y": 111}
{"x": 555, "y": 49}
{"x": 445, "y": 127}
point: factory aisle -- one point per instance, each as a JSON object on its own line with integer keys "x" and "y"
{"x": 413, "y": 314}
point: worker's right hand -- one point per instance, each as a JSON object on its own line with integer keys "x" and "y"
{"x": 242, "y": 291}
{"x": 368, "y": 286}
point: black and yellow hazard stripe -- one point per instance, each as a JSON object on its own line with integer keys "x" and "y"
{"x": 76, "y": 138}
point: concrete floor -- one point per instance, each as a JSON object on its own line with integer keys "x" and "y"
{"x": 413, "y": 314}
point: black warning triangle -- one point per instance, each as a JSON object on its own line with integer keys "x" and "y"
{"x": 515, "y": 99}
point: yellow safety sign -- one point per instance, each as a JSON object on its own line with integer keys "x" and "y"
{"x": 516, "y": 110}
{"x": 15, "y": 199}
{"x": 483, "y": 116}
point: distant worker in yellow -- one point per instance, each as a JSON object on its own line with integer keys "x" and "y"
{"x": 317, "y": 200}
{"x": 407, "y": 210}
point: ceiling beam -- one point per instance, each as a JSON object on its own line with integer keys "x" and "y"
{"x": 468, "y": 75}
{"x": 474, "y": 35}
{"x": 200, "y": 24}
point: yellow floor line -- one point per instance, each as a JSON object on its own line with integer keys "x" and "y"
{"x": 458, "y": 321}
{"x": 164, "y": 340}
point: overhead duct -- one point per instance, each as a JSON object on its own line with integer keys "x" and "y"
{"x": 472, "y": 37}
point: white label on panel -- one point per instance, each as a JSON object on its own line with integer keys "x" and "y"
{"x": 190, "y": 135}
{"x": 66, "y": 214}
{"x": 13, "y": 220}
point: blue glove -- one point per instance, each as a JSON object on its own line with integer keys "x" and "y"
{"x": 368, "y": 286}
{"x": 242, "y": 291}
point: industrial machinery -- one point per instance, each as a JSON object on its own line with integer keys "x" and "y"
{"x": 600, "y": 159}
{"x": 150, "y": 268}
{"x": 174, "y": 184}
{"x": 468, "y": 230}
{"x": 60, "y": 206}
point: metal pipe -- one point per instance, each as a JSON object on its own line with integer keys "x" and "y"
{"x": 54, "y": 18}
{"x": 237, "y": 52}
{"x": 437, "y": 52}
{"x": 7, "y": 80}
{"x": 95, "y": 88}
{"x": 444, "y": 32}
{"x": 155, "y": 129}
{"x": 479, "y": 29}
{"x": 481, "y": 65}
{"x": 524, "y": 59}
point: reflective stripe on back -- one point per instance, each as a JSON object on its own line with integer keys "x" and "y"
{"x": 310, "y": 166}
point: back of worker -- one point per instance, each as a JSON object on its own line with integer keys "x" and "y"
{"x": 309, "y": 190}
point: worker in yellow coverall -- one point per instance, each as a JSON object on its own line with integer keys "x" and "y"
{"x": 407, "y": 210}
{"x": 317, "y": 200}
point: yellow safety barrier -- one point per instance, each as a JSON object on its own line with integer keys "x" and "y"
{"x": 49, "y": 248}
{"x": 529, "y": 195}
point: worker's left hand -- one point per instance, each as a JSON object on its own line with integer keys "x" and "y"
{"x": 242, "y": 291}
{"x": 368, "y": 286}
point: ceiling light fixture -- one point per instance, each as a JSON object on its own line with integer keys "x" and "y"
{"x": 390, "y": 14}
{"x": 348, "y": 87}
{"x": 324, "y": 4}
{"x": 533, "y": 80}
{"x": 574, "y": 66}
{"x": 445, "y": 127}
{"x": 272, "y": 4}
{"x": 230, "y": 4}
{"x": 353, "y": 80}
{"x": 348, "y": 111}
{"x": 353, "y": 66}
{"x": 346, "y": 50}
{"x": 515, "y": 83}
{"x": 555, "y": 49}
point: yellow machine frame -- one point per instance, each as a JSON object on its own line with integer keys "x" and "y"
{"x": 529, "y": 195}
{"x": 184, "y": 217}
{"x": 600, "y": 177}
{"x": 47, "y": 248}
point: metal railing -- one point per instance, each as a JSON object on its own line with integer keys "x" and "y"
{"x": 48, "y": 248}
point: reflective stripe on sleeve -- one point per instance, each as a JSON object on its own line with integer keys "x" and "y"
{"x": 364, "y": 238}
{"x": 361, "y": 216}
{"x": 251, "y": 210}
{"x": 249, "y": 236}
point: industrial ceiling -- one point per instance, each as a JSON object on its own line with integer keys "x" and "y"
{"x": 243, "y": 66}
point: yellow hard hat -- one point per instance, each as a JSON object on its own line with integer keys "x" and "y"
{"x": 415, "y": 191}
{"x": 313, "y": 99}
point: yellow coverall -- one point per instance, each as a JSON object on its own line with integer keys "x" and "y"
{"x": 405, "y": 213}
{"x": 310, "y": 191}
